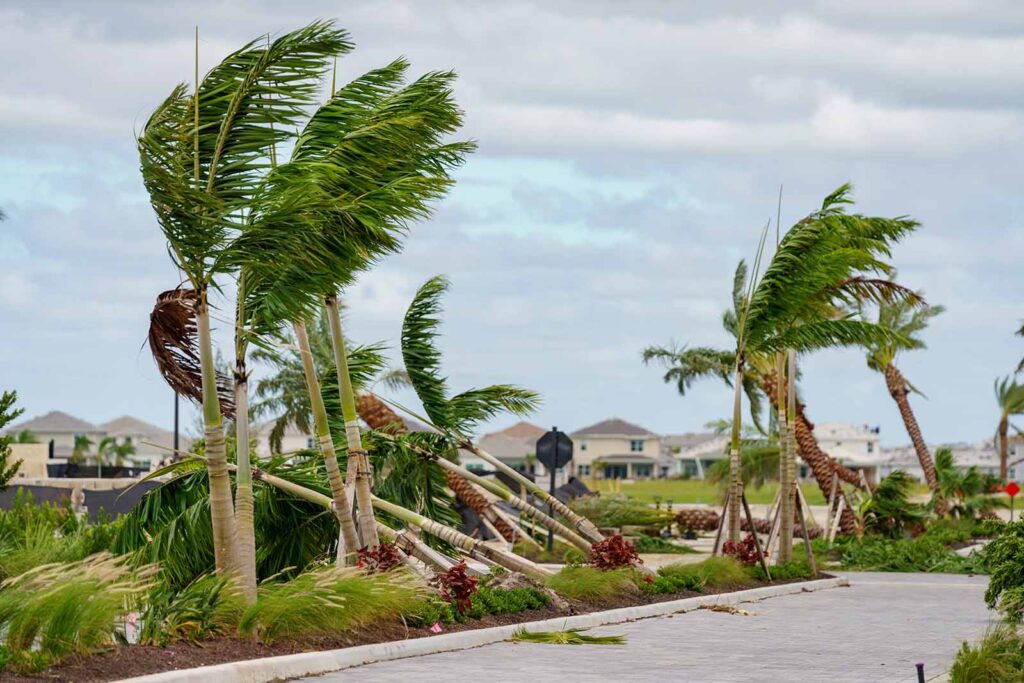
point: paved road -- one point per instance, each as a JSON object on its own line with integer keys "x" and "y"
{"x": 875, "y": 630}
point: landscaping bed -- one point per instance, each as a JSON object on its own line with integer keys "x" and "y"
{"x": 126, "y": 661}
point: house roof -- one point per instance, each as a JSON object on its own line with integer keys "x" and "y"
{"x": 126, "y": 424}
{"x": 521, "y": 430}
{"x": 689, "y": 439}
{"x": 55, "y": 421}
{"x": 505, "y": 447}
{"x": 613, "y": 426}
{"x": 624, "y": 459}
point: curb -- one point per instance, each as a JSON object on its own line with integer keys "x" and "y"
{"x": 316, "y": 663}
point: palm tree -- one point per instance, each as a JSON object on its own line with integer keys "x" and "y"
{"x": 907, "y": 320}
{"x": 80, "y": 449}
{"x": 828, "y": 260}
{"x": 1010, "y": 397}
{"x": 203, "y": 159}
{"x": 373, "y": 160}
{"x": 26, "y": 436}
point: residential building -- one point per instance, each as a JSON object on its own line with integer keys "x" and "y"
{"x": 516, "y": 446}
{"x": 616, "y": 449}
{"x": 692, "y": 453}
{"x": 60, "y": 429}
{"x": 853, "y": 446}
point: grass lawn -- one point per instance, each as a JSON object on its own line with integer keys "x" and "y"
{"x": 695, "y": 491}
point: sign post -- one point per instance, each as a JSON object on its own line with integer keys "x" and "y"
{"x": 1012, "y": 490}
{"x": 554, "y": 451}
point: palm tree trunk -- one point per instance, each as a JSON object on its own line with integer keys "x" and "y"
{"x": 822, "y": 466}
{"x": 470, "y": 546}
{"x": 583, "y": 525}
{"x": 1004, "y": 435}
{"x": 379, "y": 416}
{"x": 222, "y": 515}
{"x": 348, "y": 541}
{"x": 244, "y": 523}
{"x": 898, "y": 390}
{"x": 786, "y": 490}
{"x": 735, "y": 463}
{"x": 357, "y": 457}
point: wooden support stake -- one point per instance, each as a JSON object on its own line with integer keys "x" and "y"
{"x": 807, "y": 540}
{"x": 753, "y": 532}
{"x": 721, "y": 524}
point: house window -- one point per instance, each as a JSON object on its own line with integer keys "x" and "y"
{"x": 641, "y": 471}
{"x": 583, "y": 470}
{"x": 636, "y": 446}
{"x": 583, "y": 445}
{"x": 616, "y": 472}
{"x": 871, "y": 446}
{"x": 310, "y": 442}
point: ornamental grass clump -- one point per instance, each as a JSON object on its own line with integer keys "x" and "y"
{"x": 329, "y": 601}
{"x": 54, "y": 611}
{"x": 997, "y": 658}
{"x": 714, "y": 572}
{"x": 590, "y": 584}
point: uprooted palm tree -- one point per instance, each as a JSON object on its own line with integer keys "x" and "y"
{"x": 457, "y": 416}
{"x": 203, "y": 158}
{"x": 908, "y": 321}
{"x": 1010, "y": 397}
{"x": 826, "y": 262}
{"x": 366, "y": 165}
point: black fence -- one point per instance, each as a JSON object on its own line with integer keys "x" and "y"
{"x": 114, "y": 502}
{"x": 73, "y": 471}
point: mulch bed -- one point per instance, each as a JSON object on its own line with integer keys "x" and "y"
{"x": 126, "y": 661}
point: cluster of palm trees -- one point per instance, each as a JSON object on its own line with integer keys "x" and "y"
{"x": 286, "y": 208}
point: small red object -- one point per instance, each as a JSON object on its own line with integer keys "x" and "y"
{"x": 1012, "y": 489}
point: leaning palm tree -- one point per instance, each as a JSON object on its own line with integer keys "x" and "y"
{"x": 908, "y": 320}
{"x": 368, "y": 163}
{"x": 1010, "y": 397}
{"x": 203, "y": 159}
{"x": 828, "y": 260}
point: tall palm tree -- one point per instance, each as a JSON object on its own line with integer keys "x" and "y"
{"x": 1010, "y": 397}
{"x": 203, "y": 158}
{"x": 908, "y": 320}
{"x": 373, "y": 159}
{"x": 828, "y": 260}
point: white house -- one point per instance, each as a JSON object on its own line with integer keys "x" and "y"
{"x": 692, "y": 453}
{"x": 616, "y": 449}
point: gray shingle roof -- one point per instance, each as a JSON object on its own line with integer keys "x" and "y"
{"x": 613, "y": 426}
{"x": 55, "y": 421}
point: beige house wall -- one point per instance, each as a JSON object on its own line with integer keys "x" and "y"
{"x": 34, "y": 457}
{"x": 591, "y": 448}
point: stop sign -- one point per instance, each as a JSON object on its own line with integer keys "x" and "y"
{"x": 1012, "y": 489}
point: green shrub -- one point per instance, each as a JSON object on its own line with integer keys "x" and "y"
{"x": 997, "y": 658}
{"x": 329, "y": 601}
{"x": 486, "y": 601}
{"x": 714, "y": 572}
{"x": 207, "y": 607}
{"x": 889, "y": 511}
{"x": 651, "y": 544}
{"x": 591, "y": 584}
{"x": 922, "y": 554}
{"x": 51, "y": 612}
{"x": 794, "y": 569}
{"x": 1004, "y": 557}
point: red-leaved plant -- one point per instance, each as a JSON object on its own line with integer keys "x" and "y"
{"x": 614, "y": 552}
{"x": 744, "y": 551}
{"x": 458, "y": 587}
{"x": 379, "y": 559}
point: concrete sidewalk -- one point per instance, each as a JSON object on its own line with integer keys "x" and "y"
{"x": 875, "y": 630}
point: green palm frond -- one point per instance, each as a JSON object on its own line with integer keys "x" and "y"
{"x": 821, "y": 334}
{"x": 466, "y": 410}
{"x": 907, "y": 319}
{"x": 419, "y": 348}
{"x": 684, "y": 365}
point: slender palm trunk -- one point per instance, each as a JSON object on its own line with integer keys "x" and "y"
{"x": 222, "y": 514}
{"x": 348, "y": 540}
{"x": 735, "y": 463}
{"x": 1004, "y": 435}
{"x": 583, "y": 525}
{"x": 470, "y": 546}
{"x": 822, "y": 466}
{"x": 787, "y": 497}
{"x": 357, "y": 456}
{"x": 897, "y": 386}
{"x": 244, "y": 522}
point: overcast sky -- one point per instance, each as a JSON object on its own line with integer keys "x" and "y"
{"x": 629, "y": 155}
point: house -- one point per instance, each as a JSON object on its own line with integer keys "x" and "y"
{"x": 152, "y": 444}
{"x": 690, "y": 454}
{"x": 516, "y": 446}
{"x": 981, "y": 454}
{"x": 616, "y": 449}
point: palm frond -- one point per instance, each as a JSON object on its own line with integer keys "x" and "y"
{"x": 685, "y": 365}
{"x": 419, "y": 348}
{"x": 466, "y": 410}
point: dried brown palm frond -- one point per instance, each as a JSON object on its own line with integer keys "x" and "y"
{"x": 173, "y": 340}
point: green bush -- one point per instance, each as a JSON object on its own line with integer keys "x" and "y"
{"x": 329, "y": 601}
{"x": 207, "y": 607}
{"x": 1004, "y": 557}
{"x": 486, "y": 601}
{"x": 922, "y": 554}
{"x": 591, "y": 584}
{"x": 651, "y": 544}
{"x": 997, "y": 658}
{"x": 51, "y": 612}
{"x": 889, "y": 511}
{"x": 714, "y": 572}
{"x": 794, "y": 569}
